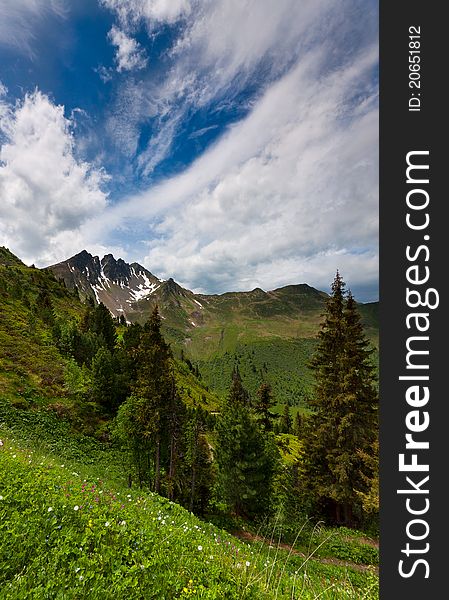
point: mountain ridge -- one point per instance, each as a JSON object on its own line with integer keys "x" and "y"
{"x": 204, "y": 324}
{"x": 90, "y": 274}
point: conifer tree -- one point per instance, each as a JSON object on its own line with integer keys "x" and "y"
{"x": 344, "y": 423}
{"x": 154, "y": 388}
{"x": 197, "y": 461}
{"x": 238, "y": 395}
{"x": 286, "y": 420}
{"x": 297, "y": 427}
{"x": 245, "y": 455}
{"x": 103, "y": 378}
{"x": 103, "y": 325}
{"x": 265, "y": 402}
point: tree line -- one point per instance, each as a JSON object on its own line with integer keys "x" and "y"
{"x": 233, "y": 459}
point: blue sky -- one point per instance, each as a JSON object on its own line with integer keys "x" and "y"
{"x": 229, "y": 144}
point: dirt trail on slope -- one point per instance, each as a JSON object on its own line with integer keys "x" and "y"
{"x": 249, "y": 537}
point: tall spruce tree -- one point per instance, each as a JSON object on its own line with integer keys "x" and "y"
{"x": 103, "y": 325}
{"x": 286, "y": 423}
{"x": 155, "y": 386}
{"x": 145, "y": 416}
{"x": 344, "y": 425}
{"x": 245, "y": 455}
{"x": 264, "y": 403}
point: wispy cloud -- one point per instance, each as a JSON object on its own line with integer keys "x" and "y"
{"x": 132, "y": 12}
{"x": 223, "y": 50}
{"x": 19, "y": 19}
{"x": 288, "y": 194}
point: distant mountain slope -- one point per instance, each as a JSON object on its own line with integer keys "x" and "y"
{"x": 204, "y": 324}
{"x": 268, "y": 336}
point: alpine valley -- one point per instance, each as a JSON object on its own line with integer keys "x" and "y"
{"x": 249, "y": 330}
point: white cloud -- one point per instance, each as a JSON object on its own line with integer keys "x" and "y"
{"x": 129, "y": 54}
{"x": 18, "y": 20}
{"x": 131, "y": 12}
{"x": 289, "y": 194}
{"x": 221, "y": 48}
{"x": 46, "y": 193}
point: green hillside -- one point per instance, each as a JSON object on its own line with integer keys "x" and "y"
{"x": 77, "y": 523}
{"x": 30, "y": 364}
{"x": 75, "y": 530}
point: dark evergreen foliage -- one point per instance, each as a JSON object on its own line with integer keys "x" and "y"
{"x": 264, "y": 403}
{"x": 286, "y": 423}
{"x": 246, "y": 456}
{"x": 344, "y": 424}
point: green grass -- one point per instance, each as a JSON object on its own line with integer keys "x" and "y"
{"x": 67, "y": 534}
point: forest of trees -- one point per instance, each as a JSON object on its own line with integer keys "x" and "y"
{"x": 231, "y": 460}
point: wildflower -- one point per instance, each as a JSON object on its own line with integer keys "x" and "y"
{"x": 1, "y": 497}
{"x": 77, "y": 569}
{"x": 1, "y": 443}
{"x": 200, "y": 548}
{"x": 107, "y": 524}
{"x": 247, "y": 563}
{"x": 50, "y": 509}
{"x": 76, "y": 507}
{"x": 123, "y": 523}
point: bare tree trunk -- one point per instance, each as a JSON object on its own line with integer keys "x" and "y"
{"x": 192, "y": 489}
{"x": 171, "y": 469}
{"x": 157, "y": 465}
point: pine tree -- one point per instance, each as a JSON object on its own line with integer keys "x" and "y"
{"x": 103, "y": 379}
{"x": 154, "y": 387}
{"x": 238, "y": 395}
{"x": 344, "y": 423}
{"x": 286, "y": 420}
{"x": 245, "y": 455}
{"x": 198, "y": 461}
{"x": 110, "y": 378}
{"x": 265, "y": 402}
{"x": 297, "y": 427}
{"x": 103, "y": 325}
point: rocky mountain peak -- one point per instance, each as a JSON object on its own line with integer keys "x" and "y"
{"x": 111, "y": 281}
